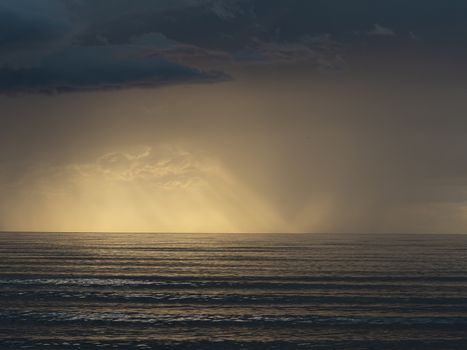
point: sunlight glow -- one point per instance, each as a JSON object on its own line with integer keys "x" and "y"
{"x": 168, "y": 189}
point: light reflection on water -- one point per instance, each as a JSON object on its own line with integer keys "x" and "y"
{"x": 182, "y": 291}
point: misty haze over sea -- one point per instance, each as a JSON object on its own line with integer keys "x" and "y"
{"x": 214, "y": 291}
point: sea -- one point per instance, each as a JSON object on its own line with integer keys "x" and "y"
{"x": 232, "y": 291}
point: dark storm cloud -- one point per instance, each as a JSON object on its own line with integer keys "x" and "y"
{"x": 19, "y": 30}
{"x": 66, "y": 45}
{"x": 38, "y": 55}
{"x": 30, "y": 29}
{"x": 87, "y": 69}
{"x": 235, "y": 24}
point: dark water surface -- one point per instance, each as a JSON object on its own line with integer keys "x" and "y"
{"x": 194, "y": 291}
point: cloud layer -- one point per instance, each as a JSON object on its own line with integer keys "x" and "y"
{"x": 39, "y": 54}
{"x": 74, "y": 45}
{"x": 86, "y": 69}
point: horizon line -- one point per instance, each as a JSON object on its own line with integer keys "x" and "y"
{"x": 230, "y": 233}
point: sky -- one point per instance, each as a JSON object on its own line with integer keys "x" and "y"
{"x": 233, "y": 116}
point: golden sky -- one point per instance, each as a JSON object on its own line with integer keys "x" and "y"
{"x": 296, "y": 151}
{"x": 233, "y": 116}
